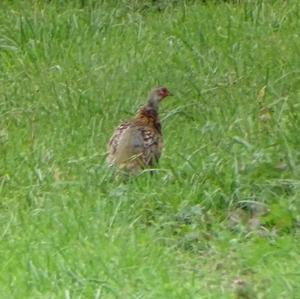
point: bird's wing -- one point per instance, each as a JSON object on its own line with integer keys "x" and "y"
{"x": 126, "y": 144}
{"x": 131, "y": 142}
{"x": 115, "y": 138}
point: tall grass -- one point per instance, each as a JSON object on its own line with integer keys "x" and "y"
{"x": 221, "y": 216}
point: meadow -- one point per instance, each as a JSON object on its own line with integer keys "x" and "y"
{"x": 221, "y": 216}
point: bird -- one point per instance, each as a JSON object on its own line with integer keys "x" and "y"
{"x": 136, "y": 144}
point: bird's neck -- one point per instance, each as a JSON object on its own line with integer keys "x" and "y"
{"x": 153, "y": 102}
{"x": 148, "y": 115}
{"x": 148, "y": 111}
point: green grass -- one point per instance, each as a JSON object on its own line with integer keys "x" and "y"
{"x": 223, "y": 209}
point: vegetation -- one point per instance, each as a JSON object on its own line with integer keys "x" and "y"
{"x": 221, "y": 216}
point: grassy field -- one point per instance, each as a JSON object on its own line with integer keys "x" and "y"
{"x": 220, "y": 219}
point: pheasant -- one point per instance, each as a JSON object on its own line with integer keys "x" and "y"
{"x": 136, "y": 144}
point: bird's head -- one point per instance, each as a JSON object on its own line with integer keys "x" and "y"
{"x": 158, "y": 94}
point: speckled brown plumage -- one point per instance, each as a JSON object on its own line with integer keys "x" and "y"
{"x": 136, "y": 144}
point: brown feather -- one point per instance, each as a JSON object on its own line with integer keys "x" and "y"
{"x": 137, "y": 144}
